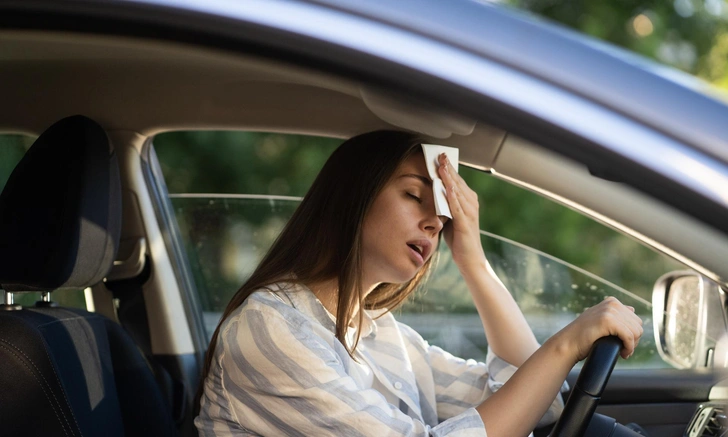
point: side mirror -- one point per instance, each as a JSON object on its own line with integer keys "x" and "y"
{"x": 690, "y": 321}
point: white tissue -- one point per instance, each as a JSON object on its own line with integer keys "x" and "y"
{"x": 432, "y": 151}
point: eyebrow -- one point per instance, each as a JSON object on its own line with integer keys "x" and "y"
{"x": 423, "y": 179}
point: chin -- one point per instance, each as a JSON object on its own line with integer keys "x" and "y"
{"x": 404, "y": 276}
{"x": 393, "y": 273}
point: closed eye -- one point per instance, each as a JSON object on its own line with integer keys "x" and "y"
{"x": 414, "y": 197}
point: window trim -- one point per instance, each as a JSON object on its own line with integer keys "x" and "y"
{"x": 164, "y": 214}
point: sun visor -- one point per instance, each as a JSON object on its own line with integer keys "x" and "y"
{"x": 416, "y": 117}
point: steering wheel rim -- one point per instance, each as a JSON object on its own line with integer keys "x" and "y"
{"x": 587, "y": 391}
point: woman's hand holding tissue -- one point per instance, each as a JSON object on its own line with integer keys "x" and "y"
{"x": 462, "y": 233}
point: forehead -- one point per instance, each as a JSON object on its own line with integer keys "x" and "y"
{"x": 413, "y": 164}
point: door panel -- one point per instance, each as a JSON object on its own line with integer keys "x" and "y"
{"x": 659, "y": 420}
{"x": 656, "y": 386}
{"x": 662, "y": 401}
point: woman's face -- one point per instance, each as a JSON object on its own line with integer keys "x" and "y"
{"x": 401, "y": 230}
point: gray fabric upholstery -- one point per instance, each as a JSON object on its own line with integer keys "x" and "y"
{"x": 60, "y": 215}
{"x": 67, "y": 372}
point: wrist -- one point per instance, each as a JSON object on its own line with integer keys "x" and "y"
{"x": 474, "y": 265}
{"x": 562, "y": 347}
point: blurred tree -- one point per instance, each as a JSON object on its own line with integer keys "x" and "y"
{"x": 691, "y": 35}
{"x": 241, "y": 162}
{"x": 225, "y": 238}
{"x": 12, "y": 149}
{"x": 278, "y": 164}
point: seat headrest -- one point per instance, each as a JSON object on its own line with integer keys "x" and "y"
{"x": 60, "y": 212}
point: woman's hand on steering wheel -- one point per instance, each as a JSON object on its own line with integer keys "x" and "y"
{"x": 609, "y": 317}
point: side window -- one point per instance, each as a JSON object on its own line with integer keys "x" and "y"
{"x": 556, "y": 263}
{"x": 232, "y": 192}
{"x": 12, "y": 149}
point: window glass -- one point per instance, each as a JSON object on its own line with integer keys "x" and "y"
{"x": 12, "y": 149}
{"x": 232, "y": 196}
{"x": 231, "y": 193}
{"x": 241, "y": 162}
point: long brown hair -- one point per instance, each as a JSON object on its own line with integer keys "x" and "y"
{"x": 322, "y": 240}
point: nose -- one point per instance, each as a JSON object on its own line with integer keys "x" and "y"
{"x": 434, "y": 223}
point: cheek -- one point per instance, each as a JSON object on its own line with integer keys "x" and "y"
{"x": 392, "y": 215}
{"x": 375, "y": 230}
{"x": 384, "y": 210}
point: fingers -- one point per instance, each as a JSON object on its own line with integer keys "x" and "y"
{"x": 634, "y": 324}
{"x": 622, "y": 321}
{"x": 460, "y": 197}
{"x": 453, "y": 194}
{"x": 456, "y": 180}
{"x": 630, "y": 338}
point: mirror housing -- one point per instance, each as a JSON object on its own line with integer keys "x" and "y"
{"x": 689, "y": 321}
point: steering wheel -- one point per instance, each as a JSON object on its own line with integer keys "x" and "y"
{"x": 589, "y": 387}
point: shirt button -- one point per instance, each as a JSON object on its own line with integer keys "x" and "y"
{"x": 398, "y": 385}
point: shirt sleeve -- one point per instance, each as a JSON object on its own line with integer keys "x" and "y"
{"x": 281, "y": 376}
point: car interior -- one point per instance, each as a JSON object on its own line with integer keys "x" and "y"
{"x": 131, "y": 365}
{"x": 67, "y": 370}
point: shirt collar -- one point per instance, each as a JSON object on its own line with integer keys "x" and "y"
{"x": 306, "y": 301}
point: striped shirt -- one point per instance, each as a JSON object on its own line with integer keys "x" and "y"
{"x": 278, "y": 370}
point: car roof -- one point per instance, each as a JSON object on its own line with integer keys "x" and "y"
{"x": 630, "y": 84}
{"x": 579, "y": 64}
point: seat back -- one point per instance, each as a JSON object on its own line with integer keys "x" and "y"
{"x": 63, "y": 371}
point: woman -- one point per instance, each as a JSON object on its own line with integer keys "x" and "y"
{"x": 308, "y": 346}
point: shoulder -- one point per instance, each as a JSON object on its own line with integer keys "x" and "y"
{"x": 268, "y": 331}
{"x": 276, "y": 313}
{"x": 411, "y": 335}
{"x": 270, "y": 303}
{"x": 387, "y": 327}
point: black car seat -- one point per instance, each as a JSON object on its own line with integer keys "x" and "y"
{"x": 63, "y": 371}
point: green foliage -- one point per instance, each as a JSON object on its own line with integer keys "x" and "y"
{"x": 686, "y": 34}
{"x": 12, "y": 149}
{"x": 540, "y": 223}
{"x": 225, "y": 238}
{"x": 241, "y": 162}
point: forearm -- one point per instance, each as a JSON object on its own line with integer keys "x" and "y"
{"x": 529, "y": 392}
{"x": 506, "y": 329}
{"x": 509, "y": 336}
{"x": 516, "y": 408}
{"x": 535, "y": 384}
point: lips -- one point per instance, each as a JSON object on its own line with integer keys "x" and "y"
{"x": 421, "y": 248}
